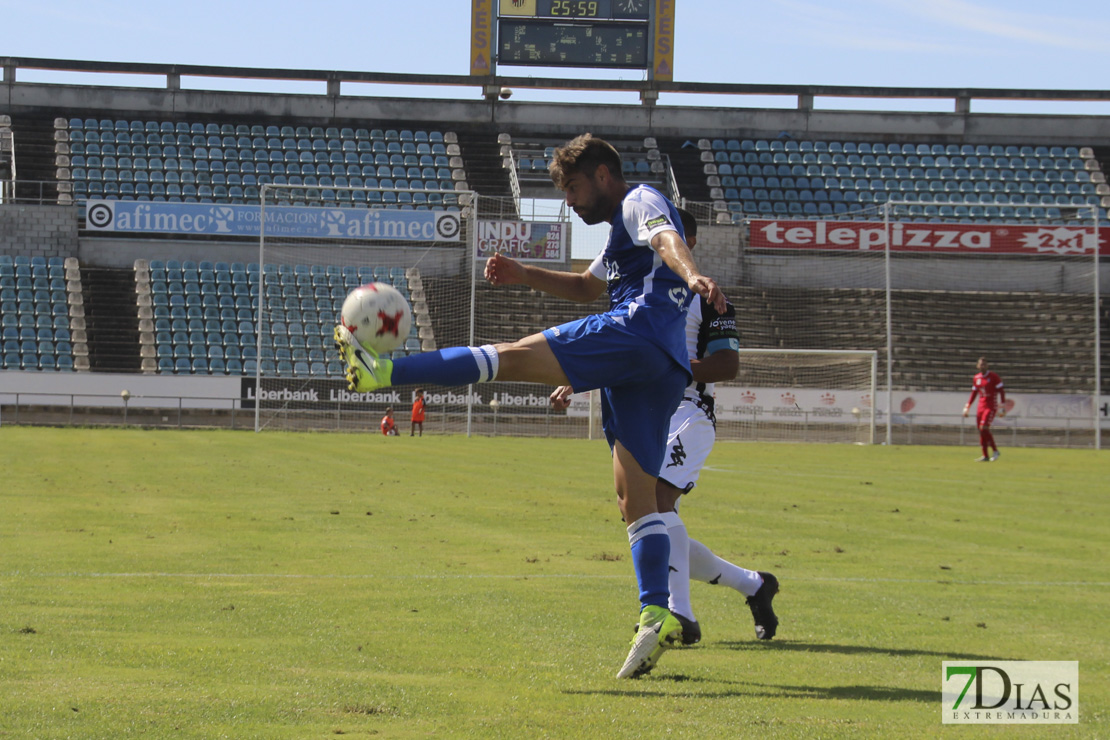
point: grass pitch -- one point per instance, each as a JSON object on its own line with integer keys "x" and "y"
{"x": 163, "y": 584}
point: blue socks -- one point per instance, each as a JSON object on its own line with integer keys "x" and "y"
{"x": 451, "y": 366}
{"x": 651, "y": 553}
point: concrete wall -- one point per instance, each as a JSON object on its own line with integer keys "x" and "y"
{"x": 563, "y": 119}
{"x": 997, "y": 274}
{"x": 718, "y": 253}
{"x": 116, "y": 252}
{"x": 38, "y": 231}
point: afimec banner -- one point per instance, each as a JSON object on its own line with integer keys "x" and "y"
{"x": 935, "y": 238}
{"x": 526, "y": 240}
{"x": 220, "y": 219}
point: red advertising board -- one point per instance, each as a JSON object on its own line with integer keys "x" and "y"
{"x": 935, "y": 238}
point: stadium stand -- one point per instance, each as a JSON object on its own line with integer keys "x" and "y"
{"x": 1056, "y": 358}
{"x": 527, "y": 159}
{"x": 201, "y": 320}
{"x": 206, "y": 162}
{"x": 759, "y": 178}
{"x": 34, "y": 314}
{"x": 202, "y": 317}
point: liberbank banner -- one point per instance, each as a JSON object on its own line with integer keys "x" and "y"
{"x": 208, "y": 219}
{"x": 934, "y": 238}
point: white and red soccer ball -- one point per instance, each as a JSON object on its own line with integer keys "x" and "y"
{"x": 378, "y": 316}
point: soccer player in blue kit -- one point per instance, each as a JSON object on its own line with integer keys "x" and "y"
{"x": 635, "y": 353}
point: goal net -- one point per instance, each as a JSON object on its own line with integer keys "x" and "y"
{"x": 800, "y": 396}
{"x": 1021, "y": 292}
{"x": 319, "y": 244}
{"x": 932, "y": 287}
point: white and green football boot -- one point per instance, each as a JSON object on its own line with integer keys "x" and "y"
{"x": 659, "y": 630}
{"x": 365, "y": 370}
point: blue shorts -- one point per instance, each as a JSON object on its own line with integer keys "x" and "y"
{"x": 641, "y": 385}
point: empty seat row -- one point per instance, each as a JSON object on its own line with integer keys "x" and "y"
{"x": 227, "y": 129}
{"x": 171, "y": 158}
{"x": 920, "y": 149}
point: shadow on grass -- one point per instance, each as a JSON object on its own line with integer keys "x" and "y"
{"x": 658, "y": 686}
{"x": 817, "y": 647}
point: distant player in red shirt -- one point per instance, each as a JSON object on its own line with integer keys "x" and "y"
{"x": 389, "y": 427}
{"x": 988, "y": 386}
{"x": 417, "y": 412}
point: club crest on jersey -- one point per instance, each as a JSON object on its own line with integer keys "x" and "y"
{"x": 612, "y": 271}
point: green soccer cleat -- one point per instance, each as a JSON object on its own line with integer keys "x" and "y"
{"x": 659, "y": 630}
{"x": 365, "y": 370}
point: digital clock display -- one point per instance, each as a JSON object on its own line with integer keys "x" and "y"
{"x": 593, "y": 9}
{"x": 577, "y": 9}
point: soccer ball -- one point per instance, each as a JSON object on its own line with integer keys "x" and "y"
{"x": 378, "y": 316}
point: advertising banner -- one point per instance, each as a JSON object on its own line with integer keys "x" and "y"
{"x": 525, "y": 240}
{"x": 328, "y": 394}
{"x": 219, "y": 219}
{"x": 933, "y": 238}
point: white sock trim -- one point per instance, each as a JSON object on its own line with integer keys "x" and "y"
{"x": 488, "y": 362}
{"x": 645, "y": 525}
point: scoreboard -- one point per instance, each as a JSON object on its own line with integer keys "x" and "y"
{"x": 592, "y": 9}
{"x": 620, "y": 34}
{"x": 575, "y": 33}
{"x": 554, "y": 44}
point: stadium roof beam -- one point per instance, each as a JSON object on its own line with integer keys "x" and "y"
{"x": 648, "y": 90}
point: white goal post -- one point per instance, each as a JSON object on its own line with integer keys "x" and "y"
{"x": 800, "y": 395}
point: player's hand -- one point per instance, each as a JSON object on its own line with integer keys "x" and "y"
{"x": 966, "y": 409}
{"x": 707, "y": 288}
{"x": 503, "y": 270}
{"x": 560, "y": 397}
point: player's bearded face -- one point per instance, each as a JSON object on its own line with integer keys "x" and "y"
{"x": 584, "y": 196}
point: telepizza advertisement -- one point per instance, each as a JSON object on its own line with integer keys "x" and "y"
{"x": 935, "y": 238}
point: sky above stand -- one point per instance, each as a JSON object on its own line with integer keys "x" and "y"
{"x": 903, "y": 43}
{"x": 1019, "y": 44}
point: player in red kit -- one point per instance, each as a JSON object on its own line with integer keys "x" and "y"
{"x": 988, "y": 386}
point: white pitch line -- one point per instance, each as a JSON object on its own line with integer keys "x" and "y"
{"x": 843, "y": 476}
{"x": 527, "y": 576}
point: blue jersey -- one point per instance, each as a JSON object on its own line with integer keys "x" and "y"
{"x": 645, "y": 296}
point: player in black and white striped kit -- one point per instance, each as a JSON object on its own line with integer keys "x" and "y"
{"x": 712, "y": 342}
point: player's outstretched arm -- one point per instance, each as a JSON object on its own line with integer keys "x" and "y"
{"x": 673, "y": 251}
{"x": 581, "y": 287}
{"x": 717, "y": 367}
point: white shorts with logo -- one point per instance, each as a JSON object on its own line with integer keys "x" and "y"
{"x": 689, "y": 443}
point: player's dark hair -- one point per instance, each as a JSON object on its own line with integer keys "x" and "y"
{"x": 584, "y": 154}
{"x": 689, "y": 223}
